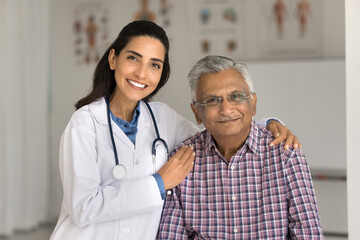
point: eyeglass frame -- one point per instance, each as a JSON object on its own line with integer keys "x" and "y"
{"x": 220, "y": 100}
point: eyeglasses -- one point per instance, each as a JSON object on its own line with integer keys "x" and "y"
{"x": 215, "y": 101}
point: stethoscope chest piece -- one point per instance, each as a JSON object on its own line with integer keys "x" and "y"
{"x": 119, "y": 171}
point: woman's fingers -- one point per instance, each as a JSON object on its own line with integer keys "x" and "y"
{"x": 282, "y": 133}
{"x": 177, "y": 168}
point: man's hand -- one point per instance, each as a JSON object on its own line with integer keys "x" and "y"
{"x": 178, "y": 167}
{"x": 281, "y": 133}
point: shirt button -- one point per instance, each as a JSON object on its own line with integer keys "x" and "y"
{"x": 233, "y": 198}
{"x": 168, "y": 192}
{"x": 232, "y": 168}
{"x": 126, "y": 230}
{"x": 235, "y": 230}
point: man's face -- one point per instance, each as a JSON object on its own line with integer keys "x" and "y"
{"x": 228, "y": 119}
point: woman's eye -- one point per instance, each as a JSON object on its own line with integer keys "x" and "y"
{"x": 133, "y": 58}
{"x": 157, "y": 66}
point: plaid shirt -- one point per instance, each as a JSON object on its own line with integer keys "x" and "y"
{"x": 262, "y": 193}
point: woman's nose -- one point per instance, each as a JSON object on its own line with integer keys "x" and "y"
{"x": 141, "y": 71}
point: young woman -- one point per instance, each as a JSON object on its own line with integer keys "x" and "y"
{"x": 114, "y": 174}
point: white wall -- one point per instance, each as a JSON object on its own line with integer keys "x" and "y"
{"x": 353, "y": 114}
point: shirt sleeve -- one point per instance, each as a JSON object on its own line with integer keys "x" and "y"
{"x": 265, "y": 121}
{"x": 304, "y": 220}
{"x": 160, "y": 183}
{"x": 172, "y": 223}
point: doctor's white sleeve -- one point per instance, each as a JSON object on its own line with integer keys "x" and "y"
{"x": 264, "y": 121}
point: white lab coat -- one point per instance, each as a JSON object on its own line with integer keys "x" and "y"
{"x": 97, "y": 206}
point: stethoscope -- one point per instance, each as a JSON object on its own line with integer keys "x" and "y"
{"x": 119, "y": 170}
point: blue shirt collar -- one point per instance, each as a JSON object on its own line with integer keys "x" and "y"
{"x": 129, "y": 128}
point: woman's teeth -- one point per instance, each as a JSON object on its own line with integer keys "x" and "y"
{"x": 137, "y": 84}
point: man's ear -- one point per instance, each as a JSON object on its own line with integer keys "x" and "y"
{"x": 112, "y": 59}
{"x": 253, "y": 103}
{"x": 196, "y": 113}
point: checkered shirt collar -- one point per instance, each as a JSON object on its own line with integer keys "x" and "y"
{"x": 252, "y": 142}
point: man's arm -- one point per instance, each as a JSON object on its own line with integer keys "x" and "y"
{"x": 304, "y": 222}
{"x": 172, "y": 223}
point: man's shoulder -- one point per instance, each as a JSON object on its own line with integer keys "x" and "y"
{"x": 263, "y": 133}
{"x": 264, "y": 137}
{"x": 196, "y": 140}
{"x": 261, "y": 136}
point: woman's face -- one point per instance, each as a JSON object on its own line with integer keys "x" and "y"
{"x": 138, "y": 68}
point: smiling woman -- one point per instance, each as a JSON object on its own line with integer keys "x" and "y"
{"x": 107, "y": 201}
{"x": 137, "y": 69}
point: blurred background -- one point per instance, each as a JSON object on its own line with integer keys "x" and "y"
{"x": 295, "y": 51}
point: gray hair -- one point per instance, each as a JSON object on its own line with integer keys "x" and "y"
{"x": 215, "y": 64}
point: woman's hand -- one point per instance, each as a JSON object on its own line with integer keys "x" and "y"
{"x": 178, "y": 167}
{"x": 281, "y": 133}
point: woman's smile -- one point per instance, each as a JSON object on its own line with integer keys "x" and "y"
{"x": 136, "y": 84}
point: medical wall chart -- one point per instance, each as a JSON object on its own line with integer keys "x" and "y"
{"x": 291, "y": 28}
{"x": 240, "y": 29}
{"x": 217, "y": 27}
{"x": 90, "y": 30}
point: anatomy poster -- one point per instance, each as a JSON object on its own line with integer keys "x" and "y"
{"x": 291, "y": 28}
{"x": 161, "y": 12}
{"x": 217, "y": 27}
{"x": 166, "y": 13}
{"x": 90, "y": 27}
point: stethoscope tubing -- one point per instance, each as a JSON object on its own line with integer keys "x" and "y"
{"x": 121, "y": 168}
{"x": 111, "y": 131}
{"x": 158, "y": 138}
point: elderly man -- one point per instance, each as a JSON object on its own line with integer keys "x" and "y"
{"x": 240, "y": 187}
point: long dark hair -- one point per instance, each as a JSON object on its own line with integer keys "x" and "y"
{"x": 103, "y": 78}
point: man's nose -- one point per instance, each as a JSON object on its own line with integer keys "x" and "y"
{"x": 226, "y": 106}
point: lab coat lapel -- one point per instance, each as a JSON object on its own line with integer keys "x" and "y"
{"x": 99, "y": 110}
{"x": 145, "y": 126}
{"x": 119, "y": 134}
{"x": 144, "y": 123}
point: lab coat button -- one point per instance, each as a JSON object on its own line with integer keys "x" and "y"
{"x": 126, "y": 230}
